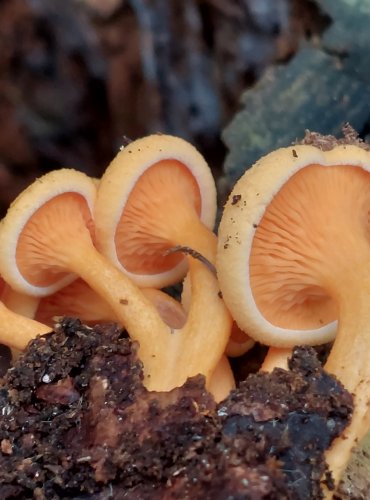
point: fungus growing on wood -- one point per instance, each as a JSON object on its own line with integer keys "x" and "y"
{"x": 293, "y": 258}
{"x": 79, "y": 300}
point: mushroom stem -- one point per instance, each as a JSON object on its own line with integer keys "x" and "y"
{"x": 349, "y": 361}
{"x": 352, "y": 341}
{"x": 198, "y": 237}
{"x": 20, "y": 303}
{"x": 276, "y": 357}
{"x": 169, "y": 355}
{"x": 81, "y": 301}
{"x": 132, "y": 308}
{"x": 222, "y": 381}
{"x": 17, "y": 331}
{"x": 202, "y": 340}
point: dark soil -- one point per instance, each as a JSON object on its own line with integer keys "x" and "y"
{"x": 76, "y": 422}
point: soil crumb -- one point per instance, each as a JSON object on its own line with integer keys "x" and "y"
{"x": 328, "y": 142}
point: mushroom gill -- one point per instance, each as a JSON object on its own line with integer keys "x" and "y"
{"x": 157, "y": 193}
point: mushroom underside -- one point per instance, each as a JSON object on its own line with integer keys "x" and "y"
{"x": 51, "y": 236}
{"x": 305, "y": 245}
{"x": 158, "y": 213}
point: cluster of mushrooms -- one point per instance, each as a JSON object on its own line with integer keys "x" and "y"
{"x": 289, "y": 265}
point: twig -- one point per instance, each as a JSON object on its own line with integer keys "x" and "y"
{"x": 193, "y": 253}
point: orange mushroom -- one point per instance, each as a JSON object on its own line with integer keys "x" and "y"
{"x": 48, "y": 240}
{"x": 222, "y": 381}
{"x": 158, "y": 193}
{"x": 293, "y": 258}
{"x": 16, "y": 331}
{"x": 76, "y": 299}
{"x": 276, "y": 357}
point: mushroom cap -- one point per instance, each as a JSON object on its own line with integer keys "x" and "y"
{"x": 116, "y": 185}
{"x": 244, "y": 213}
{"x": 23, "y": 208}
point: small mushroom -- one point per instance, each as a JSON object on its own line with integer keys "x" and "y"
{"x": 157, "y": 193}
{"x": 78, "y": 299}
{"x": 293, "y": 260}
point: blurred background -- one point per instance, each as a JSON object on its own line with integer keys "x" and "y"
{"x": 78, "y": 77}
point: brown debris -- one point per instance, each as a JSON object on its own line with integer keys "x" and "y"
{"x": 328, "y": 142}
